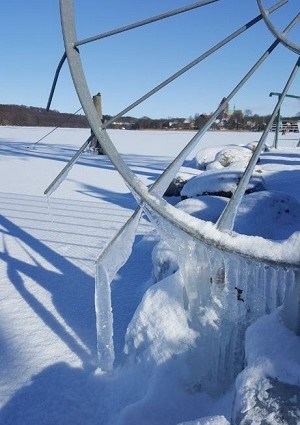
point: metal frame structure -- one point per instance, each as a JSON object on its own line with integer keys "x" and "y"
{"x": 140, "y": 191}
{"x": 150, "y": 200}
{"x": 275, "y": 144}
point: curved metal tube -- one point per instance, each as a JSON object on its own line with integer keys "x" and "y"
{"x": 56, "y": 75}
{"x": 158, "y": 205}
{"x": 280, "y": 36}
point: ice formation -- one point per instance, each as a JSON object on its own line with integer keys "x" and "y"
{"x": 222, "y": 295}
{"x": 109, "y": 262}
{"x": 207, "y": 292}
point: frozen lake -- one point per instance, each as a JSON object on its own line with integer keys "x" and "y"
{"x": 47, "y": 320}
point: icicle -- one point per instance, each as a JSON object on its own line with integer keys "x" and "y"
{"x": 49, "y": 209}
{"x": 57, "y": 182}
{"x": 112, "y": 258}
{"x": 273, "y": 289}
{"x": 291, "y": 306}
{"x": 281, "y": 286}
{"x": 104, "y": 320}
{"x": 268, "y": 281}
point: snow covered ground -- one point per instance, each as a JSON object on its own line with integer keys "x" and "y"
{"x": 48, "y": 249}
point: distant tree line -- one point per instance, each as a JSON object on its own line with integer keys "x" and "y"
{"x": 32, "y": 116}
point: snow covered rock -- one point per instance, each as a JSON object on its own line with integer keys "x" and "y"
{"x": 272, "y": 403}
{"x": 272, "y": 215}
{"x": 267, "y": 391}
{"x": 219, "y": 182}
{"x": 204, "y": 157}
{"x": 218, "y": 157}
{"x": 179, "y": 181}
{"x": 175, "y": 186}
{"x": 233, "y": 155}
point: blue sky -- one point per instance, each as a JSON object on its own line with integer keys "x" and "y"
{"x": 127, "y": 65}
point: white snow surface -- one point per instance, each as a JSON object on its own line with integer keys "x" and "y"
{"x": 48, "y": 249}
{"x": 213, "y": 420}
{"x": 272, "y": 356}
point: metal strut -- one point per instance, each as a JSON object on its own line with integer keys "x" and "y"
{"x": 226, "y": 221}
{"x": 120, "y": 30}
{"x": 145, "y": 22}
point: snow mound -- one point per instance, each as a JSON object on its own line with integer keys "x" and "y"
{"x": 214, "y": 165}
{"x": 268, "y": 391}
{"x": 204, "y": 157}
{"x": 219, "y": 182}
{"x": 218, "y": 157}
{"x": 252, "y": 146}
{"x": 277, "y": 211}
{"x": 237, "y": 154}
{"x": 159, "y": 329}
{"x": 212, "y": 420}
{"x": 208, "y": 208}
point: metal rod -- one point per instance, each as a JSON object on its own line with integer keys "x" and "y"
{"x": 278, "y": 4}
{"x": 275, "y": 144}
{"x": 184, "y": 69}
{"x": 226, "y": 221}
{"x": 287, "y": 95}
{"x": 52, "y": 186}
{"x": 292, "y": 24}
{"x": 59, "y": 66}
{"x": 58, "y": 126}
{"x": 277, "y": 129}
{"x": 145, "y": 22}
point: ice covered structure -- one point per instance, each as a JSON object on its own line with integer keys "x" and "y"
{"x": 223, "y": 293}
{"x": 217, "y": 286}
